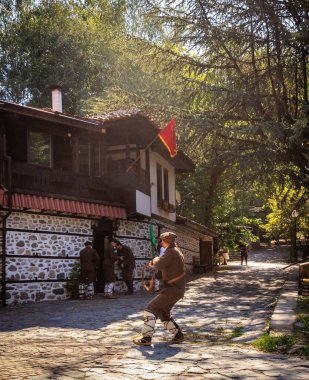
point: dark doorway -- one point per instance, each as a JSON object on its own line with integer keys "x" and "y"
{"x": 98, "y": 244}
{"x": 101, "y": 233}
{"x": 206, "y": 254}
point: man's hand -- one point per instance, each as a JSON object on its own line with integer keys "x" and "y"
{"x": 153, "y": 262}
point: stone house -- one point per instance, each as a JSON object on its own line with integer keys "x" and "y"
{"x": 66, "y": 179}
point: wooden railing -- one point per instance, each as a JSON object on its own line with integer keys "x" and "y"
{"x": 59, "y": 182}
{"x": 112, "y": 188}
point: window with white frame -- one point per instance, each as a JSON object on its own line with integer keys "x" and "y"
{"x": 159, "y": 183}
{"x": 162, "y": 185}
{"x": 166, "y": 186}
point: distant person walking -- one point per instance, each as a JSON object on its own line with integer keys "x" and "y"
{"x": 243, "y": 248}
{"x": 126, "y": 262}
{"x": 89, "y": 261}
{"x": 171, "y": 263}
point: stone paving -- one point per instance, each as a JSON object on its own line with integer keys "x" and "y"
{"x": 220, "y": 314}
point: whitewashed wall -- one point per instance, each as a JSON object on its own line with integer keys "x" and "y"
{"x": 155, "y": 158}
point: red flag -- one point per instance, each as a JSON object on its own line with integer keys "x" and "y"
{"x": 168, "y": 137}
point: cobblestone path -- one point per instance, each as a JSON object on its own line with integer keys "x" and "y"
{"x": 220, "y": 314}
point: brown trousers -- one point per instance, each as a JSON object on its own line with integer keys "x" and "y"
{"x": 127, "y": 275}
{"x": 163, "y": 303}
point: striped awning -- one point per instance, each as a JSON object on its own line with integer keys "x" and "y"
{"x": 42, "y": 203}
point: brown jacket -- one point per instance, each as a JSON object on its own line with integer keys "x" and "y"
{"x": 89, "y": 261}
{"x": 172, "y": 265}
{"x": 108, "y": 265}
{"x": 128, "y": 256}
{"x": 127, "y": 264}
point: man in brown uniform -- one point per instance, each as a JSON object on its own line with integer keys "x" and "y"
{"x": 89, "y": 261}
{"x": 171, "y": 263}
{"x": 127, "y": 263}
{"x": 108, "y": 264}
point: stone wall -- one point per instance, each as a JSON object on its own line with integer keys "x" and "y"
{"x": 33, "y": 269}
{"x": 42, "y": 250}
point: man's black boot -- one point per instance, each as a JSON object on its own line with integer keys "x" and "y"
{"x": 173, "y": 328}
{"x": 144, "y": 341}
{"x": 179, "y": 337}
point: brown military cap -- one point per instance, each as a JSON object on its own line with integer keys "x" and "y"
{"x": 169, "y": 237}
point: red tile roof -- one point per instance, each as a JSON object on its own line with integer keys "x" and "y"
{"x": 35, "y": 202}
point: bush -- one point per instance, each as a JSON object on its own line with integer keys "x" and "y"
{"x": 73, "y": 283}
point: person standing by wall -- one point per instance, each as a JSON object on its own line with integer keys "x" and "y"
{"x": 126, "y": 262}
{"x": 172, "y": 265}
{"x": 108, "y": 266}
{"x": 89, "y": 261}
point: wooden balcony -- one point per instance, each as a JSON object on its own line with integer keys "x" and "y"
{"x": 128, "y": 178}
{"x": 117, "y": 187}
{"x": 34, "y": 179}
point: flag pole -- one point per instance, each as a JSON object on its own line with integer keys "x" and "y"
{"x": 139, "y": 156}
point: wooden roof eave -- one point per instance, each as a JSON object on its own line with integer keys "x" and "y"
{"x": 52, "y": 116}
{"x": 136, "y": 126}
{"x": 181, "y": 162}
{"x": 141, "y": 127}
{"x": 181, "y": 220}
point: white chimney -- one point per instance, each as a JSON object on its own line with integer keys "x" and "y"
{"x": 56, "y": 98}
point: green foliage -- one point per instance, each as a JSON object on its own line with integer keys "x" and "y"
{"x": 239, "y": 96}
{"x": 138, "y": 83}
{"x": 230, "y": 235}
{"x": 305, "y": 321}
{"x": 246, "y": 109}
{"x": 270, "y": 343}
{"x": 58, "y": 42}
{"x": 39, "y": 149}
{"x": 281, "y": 204}
{"x": 73, "y": 283}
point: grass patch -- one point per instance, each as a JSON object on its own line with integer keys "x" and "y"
{"x": 238, "y": 331}
{"x": 305, "y": 322}
{"x": 268, "y": 343}
{"x": 298, "y": 342}
{"x": 302, "y": 310}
